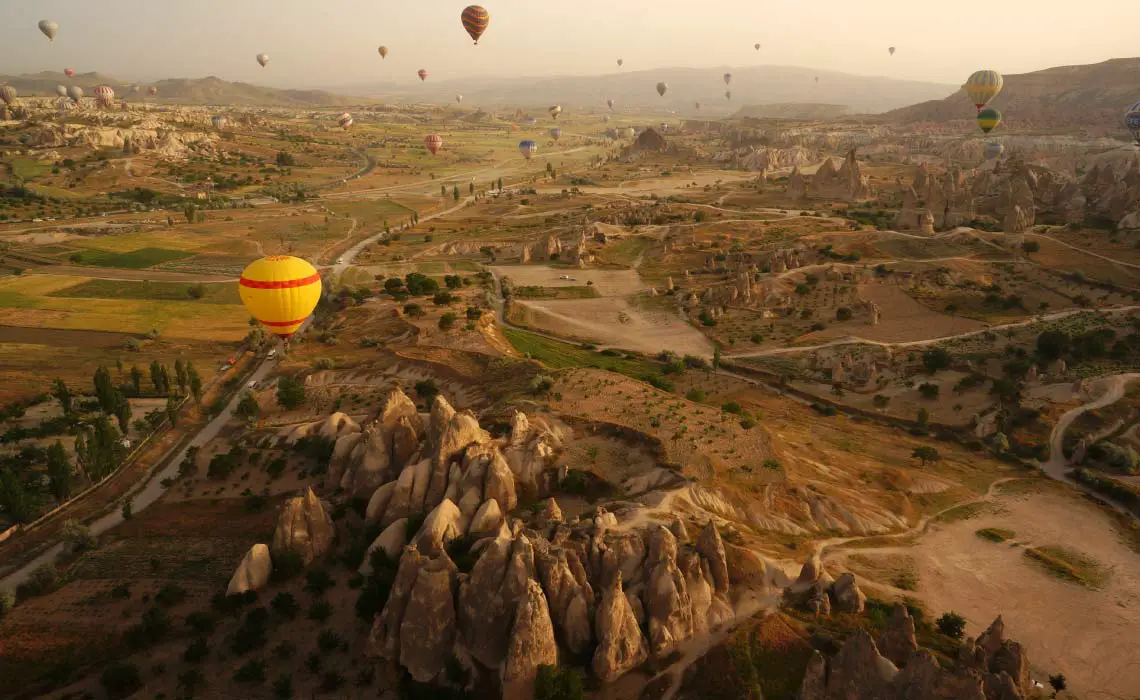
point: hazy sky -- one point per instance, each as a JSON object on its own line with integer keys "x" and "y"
{"x": 331, "y": 42}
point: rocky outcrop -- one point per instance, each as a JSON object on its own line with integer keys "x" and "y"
{"x": 846, "y": 596}
{"x": 427, "y": 627}
{"x": 390, "y": 541}
{"x": 384, "y": 639}
{"x": 531, "y": 642}
{"x": 569, "y": 594}
{"x": 711, "y": 547}
{"x": 621, "y": 645}
{"x": 489, "y": 597}
{"x": 440, "y": 527}
{"x": 304, "y": 527}
{"x": 253, "y": 572}
{"x": 897, "y": 642}
{"x": 666, "y": 599}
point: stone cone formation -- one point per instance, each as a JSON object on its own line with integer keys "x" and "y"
{"x": 304, "y": 527}
{"x": 597, "y": 589}
{"x": 253, "y": 572}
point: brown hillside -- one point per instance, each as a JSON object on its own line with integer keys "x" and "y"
{"x": 1090, "y": 96}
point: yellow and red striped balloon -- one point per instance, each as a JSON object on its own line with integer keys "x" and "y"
{"x": 280, "y": 291}
{"x": 475, "y": 21}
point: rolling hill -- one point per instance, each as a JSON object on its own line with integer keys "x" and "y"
{"x": 209, "y": 90}
{"x": 1088, "y": 96}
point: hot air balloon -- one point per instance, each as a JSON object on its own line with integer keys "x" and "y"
{"x": 62, "y": 105}
{"x": 280, "y": 291}
{"x": 606, "y": 118}
{"x": 75, "y": 93}
{"x": 756, "y": 46}
{"x": 697, "y": 105}
{"x": 433, "y": 142}
{"x": 475, "y": 21}
{"x": 994, "y": 150}
{"x": 892, "y": 50}
{"x": 218, "y": 121}
{"x": 49, "y": 28}
{"x": 556, "y": 133}
{"x": 664, "y": 126}
{"x": 8, "y": 94}
{"x": 345, "y": 121}
{"x": 817, "y": 80}
{"x": 458, "y": 99}
{"x": 263, "y": 59}
{"x": 105, "y": 96}
{"x": 983, "y": 86}
{"x": 628, "y": 132}
{"x": 1132, "y": 122}
{"x": 383, "y": 51}
{"x": 69, "y": 72}
{"x": 152, "y": 90}
{"x": 988, "y": 119}
{"x": 728, "y": 78}
{"x": 527, "y": 147}
{"x": 135, "y": 89}
{"x": 422, "y": 73}
{"x": 620, "y": 62}
{"x": 555, "y": 110}
{"x": 661, "y": 88}
{"x": 610, "y": 104}
{"x": 61, "y": 90}
{"x": 728, "y": 94}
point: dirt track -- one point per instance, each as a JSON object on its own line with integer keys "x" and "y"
{"x": 62, "y": 337}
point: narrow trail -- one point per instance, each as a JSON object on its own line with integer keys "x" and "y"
{"x": 1084, "y": 251}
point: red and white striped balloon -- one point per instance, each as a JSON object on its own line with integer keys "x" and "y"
{"x": 345, "y": 120}
{"x": 105, "y": 96}
{"x": 433, "y": 143}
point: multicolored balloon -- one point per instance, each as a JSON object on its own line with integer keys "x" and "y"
{"x": 75, "y": 93}
{"x": 49, "y": 28}
{"x": 610, "y": 104}
{"x": 988, "y": 119}
{"x": 281, "y": 292}
{"x": 61, "y": 90}
{"x": 994, "y": 149}
{"x": 263, "y": 59}
{"x": 105, "y": 96}
{"x": 1132, "y": 122}
{"x": 218, "y": 121}
{"x": 983, "y": 86}
{"x": 69, "y": 72}
{"x": 152, "y": 90}
{"x": 135, "y": 89}
{"x": 628, "y": 132}
{"x": 527, "y": 147}
{"x": 661, "y": 88}
{"x": 345, "y": 121}
{"x": 475, "y": 21}
{"x": 433, "y": 142}
{"x": 458, "y": 99}
{"x": 555, "y": 110}
{"x": 8, "y": 94}
{"x": 422, "y": 73}
{"x": 556, "y": 133}
{"x": 383, "y": 51}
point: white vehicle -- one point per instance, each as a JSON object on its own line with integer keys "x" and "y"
{"x": 271, "y": 353}
{"x": 340, "y": 261}
{"x": 564, "y": 277}
{"x": 252, "y": 385}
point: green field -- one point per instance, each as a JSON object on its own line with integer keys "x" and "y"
{"x": 134, "y": 260}
{"x": 572, "y": 292}
{"x": 558, "y": 355}
{"x": 213, "y": 293}
{"x": 1068, "y": 565}
{"x": 27, "y": 168}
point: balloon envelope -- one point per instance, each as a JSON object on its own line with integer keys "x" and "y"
{"x": 610, "y": 104}
{"x": 433, "y": 143}
{"x": 61, "y": 90}
{"x": 728, "y": 94}
{"x": 8, "y": 94}
{"x": 892, "y": 50}
{"x": 69, "y": 72}
{"x": 993, "y": 150}
{"x": 263, "y": 59}
{"x": 422, "y": 73}
{"x": 556, "y": 133}
{"x": 49, "y": 28}
{"x": 756, "y": 46}
{"x": 728, "y": 78}
{"x": 661, "y": 88}
{"x": 218, "y": 122}
{"x": 1132, "y": 121}
{"x": 988, "y": 119}
{"x": 527, "y": 147}
{"x": 555, "y": 111}
{"x": 475, "y": 20}
{"x": 75, "y": 93}
{"x": 620, "y": 62}
{"x": 983, "y": 86}
{"x": 105, "y": 95}
{"x": 345, "y": 120}
{"x": 152, "y": 90}
{"x": 383, "y": 52}
{"x": 458, "y": 99}
{"x": 280, "y": 291}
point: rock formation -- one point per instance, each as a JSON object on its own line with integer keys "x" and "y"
{"x": 531, "y": 641}
{"x": 253, "y": 572}
{"x": 304, "y": 527}
{"x": 621, "y": 645}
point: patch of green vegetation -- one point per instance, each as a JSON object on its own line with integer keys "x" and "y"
{"x": 558, "y": 355}
{"x": 134, "y": 260}
{"x": 571, "y": 292}
{"x": 967, "y": 511}
{"x": 1069, "y": 565}
{"x": 28, "y": 168}
{"x": 214, "y": 293}
{"x": 995, "y": 534}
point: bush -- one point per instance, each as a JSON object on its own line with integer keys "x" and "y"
{"x": 696, "y": 395}
{"x": 290, "y": 392}
{"x": 120, "y": 679}
{"x": 843, "y": 314}
{"x": 413, "y": 310}
{"x": 442, "y": 298}
{"x": 936, "y": 359}
{"x": 929, "y": 391}
{"x": 285, "y": 605}
{"x": 252, "y": 672}
{"x": 283, "y": 687}
{"x": 541, "y": 384}
{"x": 287, "y": 564}
{"x": 320, "y": 611}
{"x": 427, "y": 390}
{"x": 952, "y": 625}
{"x": 558, "y": 683}
{"x": 659, "y": 382}
{"x": 201, "y": 622}
{"x": 317, "y": 581}
{"x": 198, "y": 650}
{"x": 447, "y": 321}
{"x": 170, "y": 595}
{"x": 151, "y": 630}
{"x": 328, "y": 641}
{"x": 732, "y": 407}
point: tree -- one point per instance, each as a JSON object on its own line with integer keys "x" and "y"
{"x": 62, "y": 394}
{"x": 441, "y": 298}
{"x": 1052, "y": 345}
{"x": 195, "y": 381}
{"x": 172, "y": 411}
{"x": 180, "y": 375}
{"x": 248, "y": 407}
{"x": 128, "y": 510}
{"x": 843, "y": 314}
{"x": 290, "y": 392}
{"x": 936, "y": 359}
{"x": 923, "y": 417}
{"x": 1031, "y": 246}
{"x": 443, "y": 190}
{"x": 447, "y": 321}
{"x": 122, "y": 411}
{"x": 880, "y": 401}
{"x": 453, "y": 281}
{"x": 285, "y": 159}
{"x": 190, "y": 680}
{"x": 59, "y": 471}
{"x": 156, "y": 377}
{"x": 136, "y": 379}
{"x": 413, "y": 310}
{"x": 952, "y": 625}
{"x": 1058, "y": 682}
{"x": 929, "y": 391}
{"x": 500, "y": 184}
{"x": 427, "y": 390}
{"x": 190, "y": 212}
{"x": 98, "y": 449}
{"x": 471, "y": 188}
{"x": 455, "y": 192}
{"x": 716, "y": 358}
{"x": 120, "y": 679}
{"x": 927, "y": 454}
{"x": 14, "y": 498}
{"x": 104, "y": 389}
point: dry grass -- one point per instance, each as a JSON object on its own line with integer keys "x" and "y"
{"x": 1069, "y": 565}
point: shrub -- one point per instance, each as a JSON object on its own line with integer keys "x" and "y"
{"x": 120, "y": 679}
{"x": 881, "y": 401}
{"x": 285, "y": 650}
{"x": 252, "y": 672}
{"x": 317, "y": 581}
{"x": 541, "y": 384}
{"x": 320, "y": 611}
{"x": 413, "y": 310}
{"x": 843, "y": 314}
{"x": 558, "y": 683}
{"x": 447, "y": 321}
{"x": 283, "y": 687}
{"x": 328, "y": 641}
{"x": 285, "y": 605}
{"x": 929, "y": 391}
{"x": 287, "y": 564}
{"x": 198, "y": 650}
{"x": 170, "y": 595}
{"x": 732, "y": 407}
{"x": 936, "y": 359}
{"x": 951, "y": 624}
{"x": 201, "y": 622}
{"x": 697, "y": 395}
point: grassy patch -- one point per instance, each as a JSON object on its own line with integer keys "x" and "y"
{"x": 995, "y": 534}
{"x": 216, "y": 293}
{"x": 573, "y": 292}
{"x": 134, "y": 260}
{"x": 968, "y": 511}
{"x": 558, "y": 355}
{"x": 28, "y": 169}
{"x": 1070, "y": 566}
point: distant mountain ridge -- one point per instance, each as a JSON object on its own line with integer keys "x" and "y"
{"x": 792, "y": 110}
{"x": 208, "y": 90}
{"x": 1091, "y": 97}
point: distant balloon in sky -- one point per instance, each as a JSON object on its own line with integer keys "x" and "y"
{"x": 610, "y": 104}
{"x": 433, "y": 142}
{"x": 422, "y": 73}
{"x": 527, "y": 147}
{"x": 49, "y": 28}
{"x": 135, "y": 89}
{"x": 661, "y": 88}
{"x": 892, "y": 50}
{"x": 983, "y": 86}
{"x": 475, "y": 21}
{"x": 8, "y": 94}
{"x": 61, "y": 90}
{"x": 697, "y": 105}
{"x": 555, "y": 110}
{"x": 75, "y": 93}
{"x": 345, "y": 120}
{"x": 728, "y": 78}
{"x": 628, "y": 132}
{"x": 620, "y": 63}
{"x": 263, "y": 59}
{"x": 606, "y": 118}
{"x": 69, "y": 72}
{"x": 458, "y": 99}
{"x": 556, "y": 133}
{"x": 383, "y": 52}
{"x": 1132, "y": 121}
{"x": 993, "y": 150}
{"x": 817, "y": 80}
{"x": 756, "y": 46}
{"x": 105, "y": 96}
{"x": 152, "y": 90}
{"x": 988, "y": 119}
{"x": 728, "y": 94}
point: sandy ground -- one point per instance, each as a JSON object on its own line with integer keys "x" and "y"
{"x": 905, "y": 319}
{"x": 1087, "y": 635}
{"x": 609, "y": 283}
{"x": 614, "y": 322}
